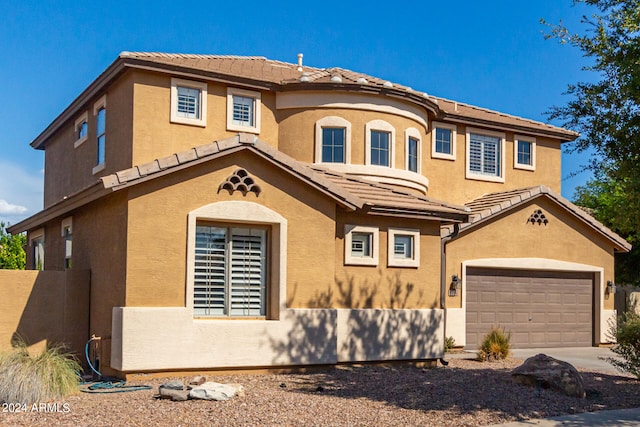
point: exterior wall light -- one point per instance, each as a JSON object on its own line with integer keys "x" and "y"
{"x": 611, "y": 287}
{"x": 454, "y": 286}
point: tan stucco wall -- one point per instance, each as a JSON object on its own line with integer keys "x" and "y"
{"x": 44, "y": 308}
{"x": 69, "y": 169}
{"x": 155, "y": 136}
{"x": 382, "y": 286}
{"x": 447, "y": 178}
{"x": 564, "y": 238}
{"x": 156, "y": 250}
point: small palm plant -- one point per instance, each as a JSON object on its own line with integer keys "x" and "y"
{"x": 495, "y": 345}
{"x": 26, "y": 378}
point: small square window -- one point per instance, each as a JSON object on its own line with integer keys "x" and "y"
{"x": 243, "y": 110}
{"x": 443, "y": 141}
{"x": 403, "y": 248}
{"x": 361, "y": 245}
{"x": 524, "y": 156}
{"x": 188, "y": 102}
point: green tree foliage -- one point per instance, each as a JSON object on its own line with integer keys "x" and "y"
{"x": 606, "y": 112}
{"x": 12, "y": 255}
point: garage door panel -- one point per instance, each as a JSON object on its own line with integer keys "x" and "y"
{"x": 539, "y": 308}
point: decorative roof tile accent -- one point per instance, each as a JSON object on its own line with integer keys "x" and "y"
{"x": 240, "y": 181}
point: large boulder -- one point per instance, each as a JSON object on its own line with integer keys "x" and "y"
{"x": 546, "y": 372}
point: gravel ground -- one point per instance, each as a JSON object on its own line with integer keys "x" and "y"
{"x": 465, "y": 393}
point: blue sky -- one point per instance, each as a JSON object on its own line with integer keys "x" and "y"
{"x": 490, "y": 54}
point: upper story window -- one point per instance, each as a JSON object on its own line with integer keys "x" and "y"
{"x": 188, "y": 102}
{"x": 485, "y": 155}
{"x": 413, "y": 150}
{"x": 333, "y": 145}
{"x": 243, "y": 110}
{"x": 443, "y": 141}
{"x": 100, "y": 111}
{"x": 81, "y": 129}
{"x": 524, "y": 153}
{"x": 380, "y": 137}
{"x": 361, "y": 245}
{"x": 333, "y": 140}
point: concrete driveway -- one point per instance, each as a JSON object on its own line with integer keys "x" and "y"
{"x": 589, "y": 358}
{"x": 580, "y": 357}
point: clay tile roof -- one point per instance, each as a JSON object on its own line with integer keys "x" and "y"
{"x": 383, "y": 199}
{"x": 492, "y": 204}
{"x": 261, "y": 69}
{"x": 349, "y": 192}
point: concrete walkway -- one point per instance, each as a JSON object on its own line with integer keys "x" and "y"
{"x": 618, "y": 417}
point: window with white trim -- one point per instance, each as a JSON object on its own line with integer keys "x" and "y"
{"x": 413, "y": 150}
{"x": 243, "y": 110}
{"x": 188, "y": 102}
{"x": 361, "y": 245}
{"x": 333, "y": 140}
{"x": 403, "y": 247}
{"x": 36, "y": 243}
{"x": 230, "y": 271}
{"x": 380, "y": 139}
{"x": 100, "y": 112}
{"x": 443, "y": 141}
{"x": 485, "y": 155}
{"x": 67, "y": 233}
{"x": 524, "y": 153}
{"x": 81, "y": 129}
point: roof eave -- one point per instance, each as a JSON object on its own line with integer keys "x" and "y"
{"x": 61, "y": 208}
{"x": 559, "y": 133}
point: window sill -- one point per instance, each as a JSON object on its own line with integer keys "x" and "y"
{"x": 98, "y": 168}
{"x": 488, "y": 178}
{"x": 239, "y": 128}
{"x": 524, "y": 167}
{"x": 79, "y": 142}
{"x": 443, "y": 156}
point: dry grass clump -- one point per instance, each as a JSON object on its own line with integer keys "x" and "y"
{"x": 27, "y": 379}
{"x": 495, "y": 345}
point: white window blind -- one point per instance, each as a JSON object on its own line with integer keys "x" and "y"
{"x": 188, "y": 102}
{"x": 484, "y": 155}
{"x": 230, "y": 271}
{"x": 243, "y": 111}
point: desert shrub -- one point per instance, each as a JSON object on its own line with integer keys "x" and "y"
{"x": 449, "y": 343}
{"x": 495, "y": 345}
{"x": 25, "y": 378}
{"x": 626, "y": 332}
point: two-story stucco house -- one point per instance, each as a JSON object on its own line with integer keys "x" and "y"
{"x": 240, "y": 212}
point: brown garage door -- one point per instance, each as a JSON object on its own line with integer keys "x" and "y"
{"x": 540, "y": 308}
